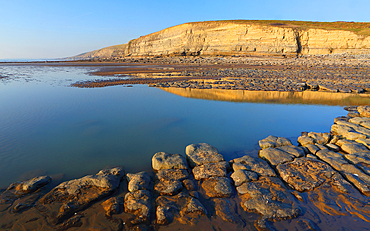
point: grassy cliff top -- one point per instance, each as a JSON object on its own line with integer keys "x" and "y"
{"x": 360, "y": 28}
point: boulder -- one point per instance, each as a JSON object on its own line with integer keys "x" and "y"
{"x": 208, "y": 170}
{"x": 202, "y": 153}
{"x": 305, "y": 174}
{"x": 217, "y": 187}
{"x": 74, "y": 195}
{"x": 164, "y": 160}
{"x": 138, "y": 181}
{"x": 361, "y": 160}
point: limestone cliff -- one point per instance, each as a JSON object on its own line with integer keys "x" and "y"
{"x": 243, "y": 37}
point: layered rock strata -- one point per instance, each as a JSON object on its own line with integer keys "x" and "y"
{"x": 236, "y": 38}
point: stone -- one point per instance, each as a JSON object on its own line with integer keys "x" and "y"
{"x": 305, "y": 174}
{"x": 312, "y": 148}
{"x": 168, "y": 187}
{"x": 241, "y": 176}
{"x": 269, "y": 197}
{"x": 202, "y": 153}
{"x": 354, "y": 175}
{"x": 273, "y": 141}
{"x": 275, "y": 156}
{"x": 256, "y": 165}
{"x": 217, "y": 187}
{"x": 139, "y": 204}
{"x": 282, "y": 141}
{"x": 74, "y": 195}
{"x": 29, "y": 186}
{"x": 320, "y": 138}
{"x": 355, "y": 127}
{"x": 113, "y": 205}
{"x": 363, "y": 121}
{"x": 189, "y": 185}
{"x": 351, "y": 146}
{"x": 138, "y": 181}
{"x": 365, "y": 142}
{"x": 172, "y": 174}
{"x": 208, "y": 170}
{"x": 333, "y": 147}
{"x": 364, "y": 111}
{"x": 305, "y": 140}
{"x": 268, "y": 142}
{"x": 293, "y": 150}
{"x": 361, "y": 160}
{"x": 164, "y": 215}
{"x": 194, "y": 206}
{"x": 164, "y": 160}
{"x": 346, "y": 132}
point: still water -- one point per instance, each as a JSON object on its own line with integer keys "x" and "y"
{"x": 48, "y": 127}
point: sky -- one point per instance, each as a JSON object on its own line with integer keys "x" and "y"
{"x": 40, "y": 29}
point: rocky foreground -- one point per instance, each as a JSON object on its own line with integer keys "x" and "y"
{"x": 323, "y": 183}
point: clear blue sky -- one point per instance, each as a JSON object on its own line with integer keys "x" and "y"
{"x": 62, "y": 28}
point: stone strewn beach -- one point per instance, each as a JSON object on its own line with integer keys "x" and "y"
{"x": 336, "y": 73}
{"x": 323, "y": 183}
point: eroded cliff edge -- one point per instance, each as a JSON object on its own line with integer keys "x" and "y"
{"x": 245, "y": 37}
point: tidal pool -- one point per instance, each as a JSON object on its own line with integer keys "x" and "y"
{"x": 48, "y": 127}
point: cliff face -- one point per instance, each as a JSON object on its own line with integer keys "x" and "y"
{"x": 233, "y": 38}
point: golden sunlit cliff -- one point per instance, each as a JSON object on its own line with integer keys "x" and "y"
{"x": 245, "y": 37}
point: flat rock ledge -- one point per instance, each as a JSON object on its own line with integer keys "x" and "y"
{"x": 326, "y": 174}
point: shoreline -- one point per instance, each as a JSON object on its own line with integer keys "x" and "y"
{"x": 295, "y": 186}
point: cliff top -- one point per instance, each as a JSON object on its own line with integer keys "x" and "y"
{"x": 360, "y": 28}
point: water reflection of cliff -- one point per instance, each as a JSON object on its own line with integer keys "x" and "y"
{"x": 305, "y": 97}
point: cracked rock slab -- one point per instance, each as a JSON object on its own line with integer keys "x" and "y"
{"x": 354, "y": 175}
{"x": 275, "y": 156}
{"x": 305, "y": 174}
{"x": 208, "y": 170}
{"x": 250, "y": 163}
{"x": 268, "y": 197}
